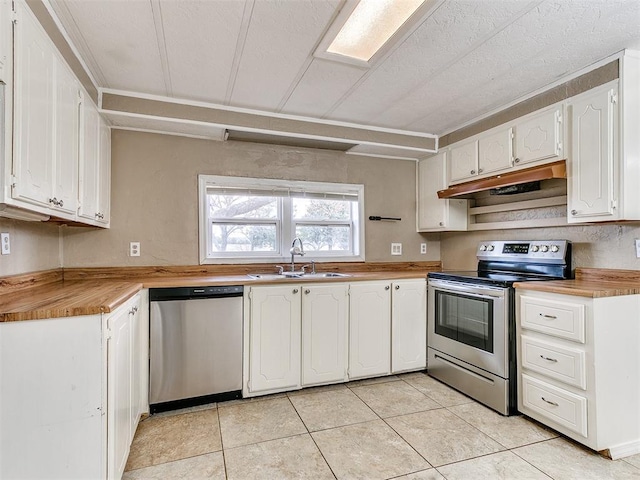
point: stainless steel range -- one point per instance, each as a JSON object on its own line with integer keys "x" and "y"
{"x": 471, "y": 317}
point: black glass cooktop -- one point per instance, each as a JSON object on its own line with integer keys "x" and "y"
{"x": 502, "y": 279}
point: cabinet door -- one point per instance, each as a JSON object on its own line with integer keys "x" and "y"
{"x": 539, "y": 137}
{"x": 274, "y": 341}
{"x": 136, "y": 364}
{"x": 119, "y": 392}
{"x": 324, "y": 333}
{"x": 89, "y": 161}
{"x": 495, "y": 151}
{"x": 67, "y": 139}
{"x": 463, "y": 161}
{"x": 34, "y": 111}
{"x": 369, "y": 329}
{"x": 104, "y": 173}
{"x": 409, "y": 326}
{"x": 6, "y": 28}
{"x": 590, "y": 185}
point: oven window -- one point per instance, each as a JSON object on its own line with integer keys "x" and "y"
{"x": 466, "y": 319}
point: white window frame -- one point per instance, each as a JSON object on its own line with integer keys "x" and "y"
{"x": 285, "y": 224}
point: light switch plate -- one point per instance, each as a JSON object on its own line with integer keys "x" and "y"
{"x": 5, "y": 242}
{"x": 134, "y": 249}
{"x": 637, "y": 247}
{"x": 396, "y": 249}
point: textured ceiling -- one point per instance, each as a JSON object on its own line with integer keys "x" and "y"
{"x": 465, "y": 59}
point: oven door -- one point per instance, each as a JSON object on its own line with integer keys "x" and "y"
{"x": 470, "y": 322}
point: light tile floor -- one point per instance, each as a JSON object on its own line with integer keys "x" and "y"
{"x": 408, "y": 427}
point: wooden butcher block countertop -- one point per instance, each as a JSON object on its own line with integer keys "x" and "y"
{"x": 591, "y": 282}
{"x": 72, "y": 292}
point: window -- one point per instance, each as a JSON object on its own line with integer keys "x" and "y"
{"x": 249, "y": 219}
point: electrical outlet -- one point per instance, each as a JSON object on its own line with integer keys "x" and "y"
{"x": 6, "y": 243}
{"x": 637, "y": 247}
{"x": 396, "y": 249}
{"x": 134, "y": 249}
{"x": 423, "y": 248}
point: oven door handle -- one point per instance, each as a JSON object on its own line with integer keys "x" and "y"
{"x": 467, "y": 289}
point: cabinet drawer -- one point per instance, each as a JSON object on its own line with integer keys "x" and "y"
{"x": 555, "y": 361}
{"x": 560, "y": 319}
{"x": 556, "y": 404}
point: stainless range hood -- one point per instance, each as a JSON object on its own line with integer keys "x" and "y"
{"x": 542, "y": 172}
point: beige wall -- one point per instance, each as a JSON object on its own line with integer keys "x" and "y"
{"x": 598, "y": 246}
{"x": 34, "y": 246}
{"x": 154, "y": 197}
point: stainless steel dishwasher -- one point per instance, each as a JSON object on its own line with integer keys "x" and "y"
{"x": 195, "y": 346}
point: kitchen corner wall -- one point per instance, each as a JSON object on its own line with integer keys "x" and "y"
{"x": 597, "y": 246}
{"x": 154, "y": 197}
{"x": 34, "y": 246}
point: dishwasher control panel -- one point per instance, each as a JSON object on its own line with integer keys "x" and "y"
{"x": 182, "y": 293}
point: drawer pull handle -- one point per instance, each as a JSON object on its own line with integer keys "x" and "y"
{"x": 548, "y": 359}
{"x": 549, "y": 402}
{"x": 551, "y": 317}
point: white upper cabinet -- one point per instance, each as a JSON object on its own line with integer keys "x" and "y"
{"x": 539, "y": 136}
{"x": 46, "y": 129}
{"x": 495, "y": 151}
{"x": 463, "y": 161}
{"x": 95, "y": 167}
{"x": 5, "y": 41}
{"x": 67, "y": 126}
{"x": 433, "y": 213}
{"x": 591, "y": 179}
{"x": 602, "y": 168}
{"x": 34, "y": 91}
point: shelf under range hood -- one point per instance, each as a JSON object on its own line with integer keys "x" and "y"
{"x": 542, "y": 172}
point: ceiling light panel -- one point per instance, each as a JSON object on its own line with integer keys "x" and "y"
{"x": 364, "y": 27}
{"x": 371, "y": 25}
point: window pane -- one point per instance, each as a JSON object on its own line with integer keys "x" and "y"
{"x": 243, "y": 238}
{"x": 242, "y": 206}
{"x": 316, "y": 238}
{"x": 319, "y": 209}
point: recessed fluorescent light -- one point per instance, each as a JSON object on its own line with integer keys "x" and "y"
{"x": 370, "y": 26}
{"x": 362, "y": 31}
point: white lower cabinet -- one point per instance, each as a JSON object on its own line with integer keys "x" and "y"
{"x": 325, "y": 311}
{"x": 273, "y": 339}
{"x": 579, "y": 367}
{"x": 369, "y": 329}
{"x": 408, "y": 325}
{"x": 67, "y": 394}
{"x": 314, "y": 334}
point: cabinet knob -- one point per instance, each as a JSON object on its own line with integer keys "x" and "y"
{"x": 387, "y": 287}
{"x": 441, "y": 224}
{"x": 473, "y": 172}
{"x": 307, "y": 291}
{"x": 397, "y": 287}
{"x": 480, "y": 170}
{"x": 574, "y": 212}
{"x": 295, "y": 290}
{"x": 61, "y": 203}
{"x": 517, "y": 160}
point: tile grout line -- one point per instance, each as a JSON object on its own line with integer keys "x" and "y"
{"x": 224, "y": 457}
{"x": 312, "y": 439}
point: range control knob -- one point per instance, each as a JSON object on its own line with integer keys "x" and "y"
{"x": 555, "y": 248}
{"x": 483, "y": 248}
{"x": 491, "y": 248}
{"x": 535, "y": 248}
{"x": 544, "y": 248}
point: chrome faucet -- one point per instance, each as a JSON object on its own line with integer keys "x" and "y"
{"x": 295, "y": 251}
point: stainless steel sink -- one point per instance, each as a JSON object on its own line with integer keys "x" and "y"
{"x": 288, "y": 275}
